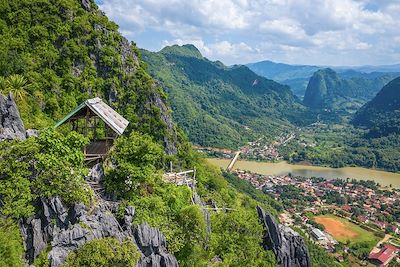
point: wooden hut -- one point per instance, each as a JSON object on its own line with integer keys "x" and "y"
{"x": 97, "y": 121}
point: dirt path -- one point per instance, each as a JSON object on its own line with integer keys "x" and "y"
{"x": 384, "y": 239}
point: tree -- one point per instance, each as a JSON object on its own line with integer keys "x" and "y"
{"x": 106, "y": 252}
{"x": 11, "y": 248}
{"x": 15, "y": 84}
{"x": 51, "y": 165}
{"x": 136, "y": 160}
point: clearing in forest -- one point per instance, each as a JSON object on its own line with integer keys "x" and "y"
{"x": 343, "y": 230}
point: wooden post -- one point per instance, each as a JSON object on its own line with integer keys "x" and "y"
{"x": 86, "y": 127}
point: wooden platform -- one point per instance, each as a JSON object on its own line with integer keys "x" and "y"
{"x": 181, "y": 178}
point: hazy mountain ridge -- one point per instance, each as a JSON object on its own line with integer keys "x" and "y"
{"x": 297, "y": 76}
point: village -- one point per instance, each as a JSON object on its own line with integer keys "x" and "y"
{"x": 260, "y": 149}
{"x": 349, "y": 218}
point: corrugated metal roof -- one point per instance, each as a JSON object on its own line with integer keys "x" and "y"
{"x": 108, "y": 115}
{"x": 318, "y": 233}
{"x": 70, "y": 115}
{"x": 114, "y": 120}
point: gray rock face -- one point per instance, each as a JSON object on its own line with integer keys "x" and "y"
{"x": 152, "y": 244}
{"x": 287, "y": 245}
{"x": 11, "y": 125}
{"x": 86, "y": 5}
{"x": 170, "y": 140}
{"x": 31, "y": 133}
{"x": 207, "y": 217}
{"x": 65, "y": 229}
{"x": 96, "y": 173}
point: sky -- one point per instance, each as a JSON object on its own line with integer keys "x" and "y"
{"x": 320, "y": 32}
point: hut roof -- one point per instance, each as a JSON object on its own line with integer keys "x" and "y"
{"x": 114, "y": 120}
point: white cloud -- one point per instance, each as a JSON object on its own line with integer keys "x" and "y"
{"x": 237, "y": 31}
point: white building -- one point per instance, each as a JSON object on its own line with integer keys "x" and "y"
{"x": 318, "y": 234}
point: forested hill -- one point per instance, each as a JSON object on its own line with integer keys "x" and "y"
{"x": 329, "y": 90}
{"x": 382, "y": 114}
{"x": 218, "y": 105}
{"x": 68, "y": 51}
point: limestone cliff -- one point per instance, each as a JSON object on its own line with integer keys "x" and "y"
{"x": 287, "y": 245}
{"x": 62, "y": 229}
{"x": 11, "y": 125}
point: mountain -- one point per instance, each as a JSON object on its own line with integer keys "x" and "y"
{"x": 381, "y": 68}
{"x": 329, "y": 90}
{"x": 381, "y": 115}
{"x": 218, "y": 105}
{"x": 297, "y": 76}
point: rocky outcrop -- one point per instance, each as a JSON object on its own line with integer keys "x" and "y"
{"x": 63, "y": 229}
{"x": 153, "y": 98}
{"x": 32, "y": 133}
{"x": 152, "y": 244}
{"x": 170, "y": 139}
{"x": 287, "y": 245}
{"x": 207, "y": 217}
{"x": 11, "y": 125}
{"x": 86, "y": 5}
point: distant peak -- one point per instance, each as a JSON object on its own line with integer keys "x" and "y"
{"x": 326, "y": 71}
{"x": 187, "y": 50}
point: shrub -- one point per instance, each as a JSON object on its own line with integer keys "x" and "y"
{"x": 11, "y": 248}
{"x": 51, "y": 165}
{"x": 15, "y": 168}
{"x": 236, "y": 238}
{"x": 106, "y": 252}
{"x": 60, "y": 167}
{"x": 136, "y": 161}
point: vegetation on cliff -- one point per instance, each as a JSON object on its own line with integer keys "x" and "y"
{"x": 64, "y": 52}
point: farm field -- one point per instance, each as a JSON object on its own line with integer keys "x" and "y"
{"x": 343, "y": 230}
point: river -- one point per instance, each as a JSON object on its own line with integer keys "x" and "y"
{"x": 283, "y": 168}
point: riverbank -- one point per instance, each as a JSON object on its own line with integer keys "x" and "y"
{"x": 283, "y": 168}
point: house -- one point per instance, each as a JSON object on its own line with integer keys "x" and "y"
{"x": 384, "y": 255}
{"x": 362, "y": 219}
{"x": 97, "y": 121}
{"x": 346, "y": 208}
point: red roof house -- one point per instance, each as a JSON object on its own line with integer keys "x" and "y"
{"x": 384, "y": 256}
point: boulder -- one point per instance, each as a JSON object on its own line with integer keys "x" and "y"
{"x": 96, "y": 173}
{"x": 31, "y": 133}
{"x": 288, "y": 246}
{"x": 11, "y": 125}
